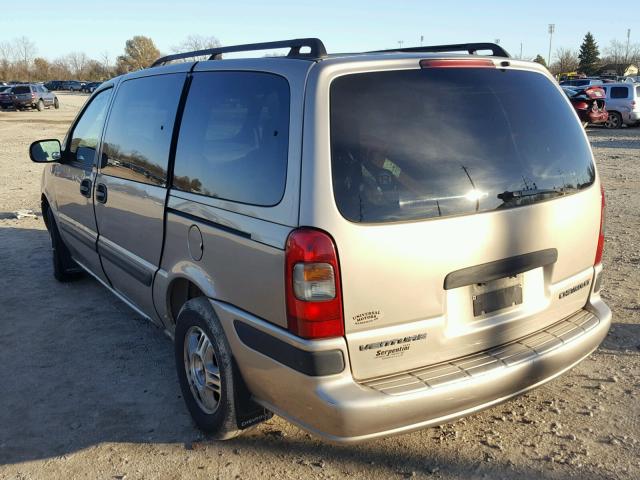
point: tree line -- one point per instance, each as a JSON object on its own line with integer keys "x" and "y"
{"x": 19, "y": 60}
{"x": 588, "y": 59}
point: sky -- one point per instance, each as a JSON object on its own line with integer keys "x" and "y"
{"x": 96, "y": 27}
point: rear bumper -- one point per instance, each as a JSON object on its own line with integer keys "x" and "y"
{"x": 340, "y": 409}
{"x": 24, "y": 103}
{"x": 634, "y": 116}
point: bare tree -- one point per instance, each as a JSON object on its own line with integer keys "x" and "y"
{"x": 567, "y": 61}
{"x": 77, "y": 62}
{"x": 618, "y": 55}
{"x": 23, "y": 51}
{"x": 196, "y": 42}
{"x": 6, "y": 59}
{"x": 59, "y": 70}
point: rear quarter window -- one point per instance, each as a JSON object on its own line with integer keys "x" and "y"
{"x": 428, "y": 143}
{"x": 619, "y": 92}
{"x": 234, "y": 137}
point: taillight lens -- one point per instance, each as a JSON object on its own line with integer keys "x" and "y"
{"x": 458, "y": 63}
{"x": 600, "y": 248}
{"x": 312, "y": 276}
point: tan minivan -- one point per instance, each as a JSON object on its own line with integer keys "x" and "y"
{"x": 364, "y": 244}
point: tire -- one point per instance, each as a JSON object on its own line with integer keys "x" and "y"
{"x": 208, "y": 378}
{"x": 614, "y": 120}
{"x": 56, "y": 104}
{"x": 40, "y": 105}
{"x": 64, "y": 268}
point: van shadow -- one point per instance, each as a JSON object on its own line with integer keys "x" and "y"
{"x": 623, "y": 337}
{"x": 78, "y": 368}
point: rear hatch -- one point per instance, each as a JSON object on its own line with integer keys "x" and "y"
{"x": 21, "y": 94}
{"x": 469, "y": 211}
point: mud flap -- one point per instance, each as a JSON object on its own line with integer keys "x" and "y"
{"x": 248, "y": 412}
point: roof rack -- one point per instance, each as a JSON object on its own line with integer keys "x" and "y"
{"x": 315, "y": 45}
{"x": 470, "y": 48}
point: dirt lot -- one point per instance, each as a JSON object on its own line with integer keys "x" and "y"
{"x": 88, "y": 389}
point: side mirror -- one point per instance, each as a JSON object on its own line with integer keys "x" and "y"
{"x": 45, "y": 151}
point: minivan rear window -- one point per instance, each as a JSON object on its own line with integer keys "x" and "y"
{"x": 436, "y": 142}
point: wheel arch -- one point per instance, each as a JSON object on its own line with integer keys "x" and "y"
{"x": 173, "y": 289}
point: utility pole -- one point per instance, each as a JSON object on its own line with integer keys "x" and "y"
{"x": 400, "y": 42}
{"x": 552, "y": 29}
{"x": 520, "y": 51}
{"x": 628, "y": 37}
{"x": 421, "y": 39}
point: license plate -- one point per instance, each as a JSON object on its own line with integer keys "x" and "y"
{"x": 496, "y": 295}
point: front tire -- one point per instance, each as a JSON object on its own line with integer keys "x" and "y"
{"x": 64, "y": 268}
{"x": 205, "y": 370}
{"x": 56, "y": 104}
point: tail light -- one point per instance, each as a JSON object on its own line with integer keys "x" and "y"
{"x": 600, "y": 248}
{"x": 313, "y": 291}
{"x": 458, "y": 63}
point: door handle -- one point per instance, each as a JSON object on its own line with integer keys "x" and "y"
{"x": 85, "y": 188}
{"x": 101, "y": 193}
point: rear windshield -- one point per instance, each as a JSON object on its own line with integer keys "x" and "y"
{"x": 18, "y": 90}
{"x": 426, "y": 143}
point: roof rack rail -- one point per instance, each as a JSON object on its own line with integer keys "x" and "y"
{"x": 316, "y": 50}
{"x": 470, "y": 48}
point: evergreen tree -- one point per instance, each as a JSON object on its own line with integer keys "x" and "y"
{"x": 589, "y": 55}
{"x": 540, "y": 59}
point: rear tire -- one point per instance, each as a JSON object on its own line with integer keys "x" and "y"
{"x": 56, "y": 105}
{"x": 614, "y": 120}
{"x": 64, "y": 268}
{"x": 40, "y": 105}
{"x": 205, "y": 369}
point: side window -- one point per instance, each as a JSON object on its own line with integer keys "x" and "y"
{"x": 234, "y": 137}
{"x": 86, "y": 133}
{"x": 138, "y": 135}
{"x": 619, "y": 92}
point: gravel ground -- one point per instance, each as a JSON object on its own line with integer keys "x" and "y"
{"x": 88, "y": 389}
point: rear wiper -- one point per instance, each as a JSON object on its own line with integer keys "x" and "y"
{"x": 508, "y": 196}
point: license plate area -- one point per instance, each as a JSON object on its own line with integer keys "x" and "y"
{"x": 496, "y": 295}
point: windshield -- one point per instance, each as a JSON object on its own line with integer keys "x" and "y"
{"x": 426, "y": 143}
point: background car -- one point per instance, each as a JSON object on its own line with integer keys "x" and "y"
{"x": 588, "y": 103}
{"x": 623, "y": 103}
{"x": 581, "y": 82}
{"x": 28, "y": 96}
{"x": 72, "y": 85}
{"x": 90, "y": 86}
{"x": 54, "y": 85}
